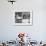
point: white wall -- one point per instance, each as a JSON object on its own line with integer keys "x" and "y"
{"x": 9, "y": 31}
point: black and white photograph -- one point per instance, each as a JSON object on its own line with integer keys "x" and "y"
{"x": 23, "y": 18}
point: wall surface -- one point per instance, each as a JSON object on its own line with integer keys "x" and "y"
{"x": 8, "y": 30}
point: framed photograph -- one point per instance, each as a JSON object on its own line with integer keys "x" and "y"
{"x": 23, "y": 18}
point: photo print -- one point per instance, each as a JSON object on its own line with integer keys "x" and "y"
{"x": 23, "y": 18}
